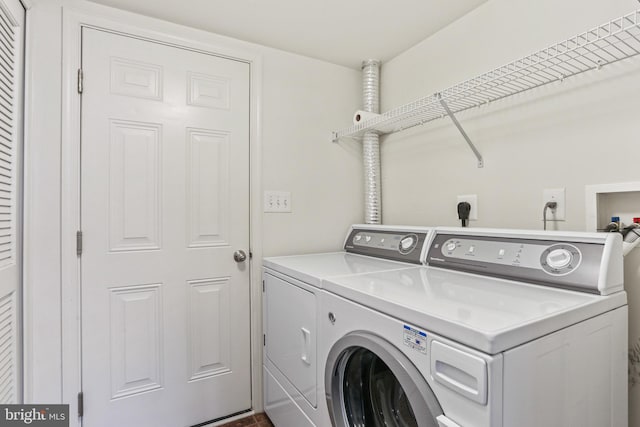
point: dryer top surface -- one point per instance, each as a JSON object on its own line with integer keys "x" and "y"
{"x": 313, "y": 268}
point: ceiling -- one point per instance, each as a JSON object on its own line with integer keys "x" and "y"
{"x": 339, "y": 31}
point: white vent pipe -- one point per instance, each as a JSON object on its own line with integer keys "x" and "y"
{"x": 371, "y": 143}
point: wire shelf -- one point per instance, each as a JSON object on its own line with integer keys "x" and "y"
{"x": 608, "y": 43}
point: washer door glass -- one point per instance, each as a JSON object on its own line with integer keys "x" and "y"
{"x": 371, "y": 383}
{"x": 373, "y": 395}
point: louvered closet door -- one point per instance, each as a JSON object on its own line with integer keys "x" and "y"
{"x": 11, "y": 81}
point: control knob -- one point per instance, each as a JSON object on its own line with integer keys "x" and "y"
{"x": 559, "y": 258}
{"x": 406, "y": 243}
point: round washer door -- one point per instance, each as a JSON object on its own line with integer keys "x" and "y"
{"x": 371, "y": 383}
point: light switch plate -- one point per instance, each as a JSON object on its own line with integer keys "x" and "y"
{"x": 277, "y": 201}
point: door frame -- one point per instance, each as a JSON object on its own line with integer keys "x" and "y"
{"x": 132, "y": 25}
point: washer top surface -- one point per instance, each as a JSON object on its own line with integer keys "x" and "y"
{"x": 313, "y": 268}
{"x": 489, "y": 314}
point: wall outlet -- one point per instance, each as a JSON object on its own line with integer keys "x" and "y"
{"x": 277, "y": 201}
{"x": 555, "y": 195}
{"x": 472, "y": 199}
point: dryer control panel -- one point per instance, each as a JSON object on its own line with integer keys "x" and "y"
{"x": 575, "y": 261}
{"x": 398, "y": 244}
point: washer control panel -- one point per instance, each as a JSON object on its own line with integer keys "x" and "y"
{"x": 555, "y": 259}
{"x": 574, "y": 265}
{"x": 400, "y": 245}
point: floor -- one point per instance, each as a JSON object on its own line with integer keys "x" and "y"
{"x": 258, "y": 420}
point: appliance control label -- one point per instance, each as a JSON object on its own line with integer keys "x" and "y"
{"x": 415, "y": 338}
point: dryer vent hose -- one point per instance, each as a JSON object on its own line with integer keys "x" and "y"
{"x": 371, "y": 143}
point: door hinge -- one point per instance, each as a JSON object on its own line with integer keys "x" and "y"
{"x": 79, "y": 243}
{"x": 264, "y": 340}
{"x": 80, "y": 80}
{"x": 80, "y": 404}
{"x": 263, "y": 286}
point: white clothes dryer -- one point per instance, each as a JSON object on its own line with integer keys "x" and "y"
{"x": 502, "y": 329}
{"x": 293, "y": 380}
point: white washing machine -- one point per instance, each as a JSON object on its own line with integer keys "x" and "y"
{"x": 293, "y": 376}
{"x": 502, "y": 329}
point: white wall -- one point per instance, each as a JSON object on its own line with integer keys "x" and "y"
{"x": 583, "y": 131}
{"x": 302, "y": 101}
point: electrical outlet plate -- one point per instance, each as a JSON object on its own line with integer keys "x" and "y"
{"x": 277, "y": 201}
{"x": 472, "y": 199}
{"x": 555, "y": 195}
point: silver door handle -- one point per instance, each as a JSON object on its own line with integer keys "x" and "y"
{"x": 239, "y": 256}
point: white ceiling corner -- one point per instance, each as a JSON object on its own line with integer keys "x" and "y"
{"x": 339, "y": 31}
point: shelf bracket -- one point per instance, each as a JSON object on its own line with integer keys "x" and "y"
{"x": 461, "y": 130}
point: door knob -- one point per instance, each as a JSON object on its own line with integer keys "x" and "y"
{"x": 239, "y": 256}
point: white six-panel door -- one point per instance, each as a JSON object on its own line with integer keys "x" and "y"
{"x": 11, "y": 97}
{"x": 164, "y": 205}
